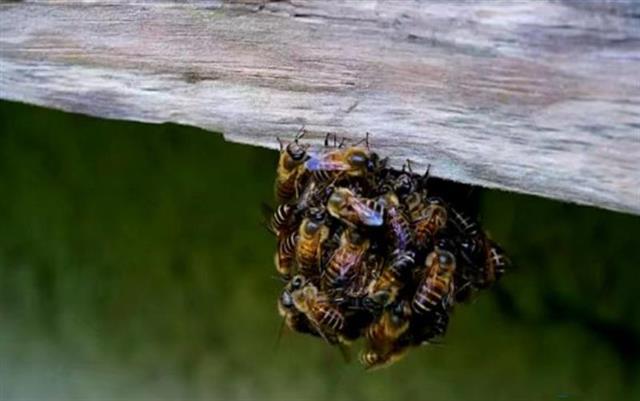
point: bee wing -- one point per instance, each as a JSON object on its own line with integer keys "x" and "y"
{"x": 327, "y": 162}
{"x": 367, "y": 215}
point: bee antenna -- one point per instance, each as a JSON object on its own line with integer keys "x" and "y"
{"x": 280, "y": 279}
{"x": 280, "y": 142}
{"x": 300, "y": 133}
{"x": 365, "y": 141}
{"x": 345, "y": 352}
{"x": 408, "y": 165}
{"x": 426, "y": 176}
{"x": 268, "y": 227}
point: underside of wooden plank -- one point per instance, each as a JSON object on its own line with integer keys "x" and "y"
{"x": 535, "y": 97}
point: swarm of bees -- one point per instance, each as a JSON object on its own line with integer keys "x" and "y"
{"x": 368, "y": 251}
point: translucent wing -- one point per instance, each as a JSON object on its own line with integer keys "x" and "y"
{"x": 368, "y": 213}
{"x": 327, "y": 162}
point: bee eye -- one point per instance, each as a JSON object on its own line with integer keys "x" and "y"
{"x": 358, "y": 159}
{"x": 297, "y": 282}
{"x": 311, "y": 226}
{"x": 296, "y": 152}
{"x": 381, "y": 298}
{"x": 286, "y": 300}
{"x": 445, "y": 258}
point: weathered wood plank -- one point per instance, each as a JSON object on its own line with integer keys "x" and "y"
{"x": 530, "y": 96}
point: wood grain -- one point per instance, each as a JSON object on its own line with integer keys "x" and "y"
{"x": 529, "y": 96}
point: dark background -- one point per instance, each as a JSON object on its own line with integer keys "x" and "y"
{"x": 133, "y": 266}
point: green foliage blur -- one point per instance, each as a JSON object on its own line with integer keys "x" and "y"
{"x": 134, "y": 266}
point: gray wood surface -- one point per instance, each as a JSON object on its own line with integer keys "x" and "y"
{"x": 530, "y": 96}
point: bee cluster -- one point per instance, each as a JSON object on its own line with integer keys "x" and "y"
{"x": 370, "y": 251}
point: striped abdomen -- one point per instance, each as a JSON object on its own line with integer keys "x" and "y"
{"x": 323, "y": 176}
{"x": 343, "y": 266}
{"x": 286, "y": 186}
{"x": 326, "y": 315}
{"x": 308, "y": 253}
{"x": 430, "y": 293}
{"x": 402, "y": 263}
{"x": 463, "y": 223}
{"x": 437, "y": 283}
{"x": 281, "y": 217}
{"x": 399, "y": 233}
{"x": 285, "y": 254}
{"x": 495, "y": 265}
{"x": 431, "y": 220}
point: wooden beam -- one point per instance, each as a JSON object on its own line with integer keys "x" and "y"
{"x": 530, "y": 96}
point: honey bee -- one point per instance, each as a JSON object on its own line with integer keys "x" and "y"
{"x": 344, "y": 205}
{"x": 384, "y": 337}
{"x": 405, "y": 182}
{"x": 326, "y": 318}
{"x": 384, "y": 289}
{"x": 285, "y": 254}
{"x": 290, "y": 170}
{"x": 354, "y": 161}
{"x": 311, "y": 235}
{"x": 400, "y": 234}
{"x": 428, "y": 217}
{"x": 345, "y": 262}
{"x": 436, "y": 286}
{"x": 292, "y": 317}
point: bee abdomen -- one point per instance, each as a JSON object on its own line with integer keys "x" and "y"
{"x": 370, "y": 359}
{"x": 285, "y": 189}
{"x": 463, "y": 223}
{"x": 281, "y": 217}
{"x": 402, "y": 263}
{"x": 323, "y": 175}
{"x": 428, "y": 297}
{"x": 288, "y": 246}
{"x": 332, "y": 318}
{"x": 400, "y": 232}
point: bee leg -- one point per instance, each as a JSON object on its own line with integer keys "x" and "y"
{"x": 425, "y": 178}
{"x": 365, "y": 141}
{"x": 408, "y": 167}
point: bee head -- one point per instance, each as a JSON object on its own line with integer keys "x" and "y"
{"x": 296, "y": 153}
{"x": 446, "y": 258}
{"x": 400, "y": 313}
{"x": 404, "y": 184}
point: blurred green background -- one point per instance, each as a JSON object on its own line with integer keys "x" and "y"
{"x": 133, "y": 266}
